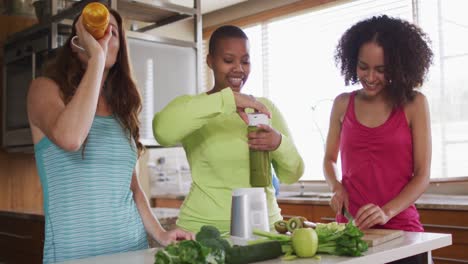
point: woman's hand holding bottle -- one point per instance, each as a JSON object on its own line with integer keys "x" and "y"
{"x": 92, "y": 47}
{"x": 265, "y": 138}
{"x": 244, "y": 101}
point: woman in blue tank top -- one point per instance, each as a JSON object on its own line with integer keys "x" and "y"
{"x": 84, "y": 122}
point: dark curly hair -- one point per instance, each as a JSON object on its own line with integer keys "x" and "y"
{"x": 407, "y": 55}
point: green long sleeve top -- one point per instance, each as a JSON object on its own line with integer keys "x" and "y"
{"x": 214, "y": 138}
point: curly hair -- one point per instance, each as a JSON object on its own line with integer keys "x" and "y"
{"x": 120, "y": 89}
{"x": 407, "y": 55}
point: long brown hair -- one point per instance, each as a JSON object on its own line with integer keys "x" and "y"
{"x": 120, "y": 89}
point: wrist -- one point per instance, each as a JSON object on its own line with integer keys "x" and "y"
{"x": 158, "y": 234}
{"x": 335, "y": 186}
{"x": 389, "y": 212}
{"x": 98, "y": 60}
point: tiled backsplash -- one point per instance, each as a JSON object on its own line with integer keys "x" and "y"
{"x": 169, "y": 171}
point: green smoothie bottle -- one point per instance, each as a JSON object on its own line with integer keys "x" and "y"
{"x": 260, "y": 169}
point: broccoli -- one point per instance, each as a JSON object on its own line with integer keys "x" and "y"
{"x": 167, "y": 256}
{"x": 209, "y": 236}
{"x": 216, "y": 243}
{"x": 209, "y": 248}
{"x": 206, "y": 232}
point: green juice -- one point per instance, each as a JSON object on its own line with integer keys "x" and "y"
{"x": 260, "y": 169}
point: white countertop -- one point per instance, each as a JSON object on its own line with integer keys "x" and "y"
{"x": 409, "y": 244}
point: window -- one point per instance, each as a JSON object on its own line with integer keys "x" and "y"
{"x": 293, "y": 65}
{"x": 447, "y": 87}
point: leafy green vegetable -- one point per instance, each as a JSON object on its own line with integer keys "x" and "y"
{"x": 333, "y": 238}
{"x": 208, "y": 248}
{"x": 187, "y": 251}
{"x": 341, "y": 239}
{"x": 207, "y": 232}
{"x": 329, "y": 231}
{"x": 164, "y": 257}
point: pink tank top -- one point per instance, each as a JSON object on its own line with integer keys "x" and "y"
{"x": 377, "y": 163}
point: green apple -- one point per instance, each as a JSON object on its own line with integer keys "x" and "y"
{"x": 304, "y": 242}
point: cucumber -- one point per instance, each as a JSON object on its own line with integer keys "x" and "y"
{"x": 254, "y": 253}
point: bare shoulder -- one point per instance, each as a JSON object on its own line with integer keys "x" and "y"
{"x": 42, "y": 87}
{"x": 342, "y": 99}
{"x": 43, "y": 95}
{"x": 419, "y": 103}
{"x": 417, "y": 108}
{"x": 340, "y": 104}
{"x": 42, "y": 84}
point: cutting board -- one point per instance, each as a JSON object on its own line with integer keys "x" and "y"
{"x": 375, "y": 237}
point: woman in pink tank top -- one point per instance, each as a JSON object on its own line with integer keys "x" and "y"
{"x": 382, "y": 130}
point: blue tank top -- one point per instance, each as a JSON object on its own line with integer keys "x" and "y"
{"x": 88, "y": 205}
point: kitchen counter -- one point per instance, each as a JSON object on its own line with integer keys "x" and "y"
{"x": 410, "y": 243}
{"x": 426, "y": 201}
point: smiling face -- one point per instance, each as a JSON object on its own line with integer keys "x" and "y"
{"x": 370, "y": 69}
{"x": 230, "y": 63}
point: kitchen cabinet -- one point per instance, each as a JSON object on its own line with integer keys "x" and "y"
{"x": 313, "y": 213}
{"x": 448, "y": 221}
{"x": 168, "y": 202}
{"x": 21, "y": 237}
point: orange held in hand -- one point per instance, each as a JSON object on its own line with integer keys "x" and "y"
{"x": 96, "y": 19}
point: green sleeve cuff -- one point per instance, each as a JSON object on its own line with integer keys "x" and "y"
{"x": 229, "y": 103}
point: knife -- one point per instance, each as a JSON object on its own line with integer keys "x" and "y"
{"x": 347, "y": 214}
{"x": 310, "y": 224}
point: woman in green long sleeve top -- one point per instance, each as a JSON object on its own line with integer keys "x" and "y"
{"x": 213, "y": 131}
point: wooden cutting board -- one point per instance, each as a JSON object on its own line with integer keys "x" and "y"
{"x": 375, "y": 237}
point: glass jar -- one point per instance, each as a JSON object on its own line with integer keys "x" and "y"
{"x": 260, "y": 168}
{"x": 96, "y": 19}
